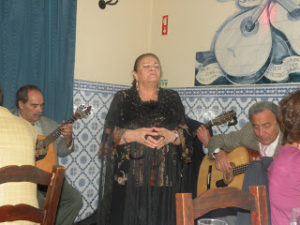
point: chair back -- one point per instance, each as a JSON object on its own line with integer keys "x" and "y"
{"x": 255, "y": 201}
{"x": 27, "y": 173}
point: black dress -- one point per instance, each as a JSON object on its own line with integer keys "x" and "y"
{"x": 138, "y": 183}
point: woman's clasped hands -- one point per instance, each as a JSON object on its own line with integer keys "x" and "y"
{"x": 152, "y": 137}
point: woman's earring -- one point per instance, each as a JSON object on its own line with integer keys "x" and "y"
{"x": 137, "y": 85}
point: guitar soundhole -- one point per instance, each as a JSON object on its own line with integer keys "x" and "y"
{"x": 248, "y": 27}
{"x": 39, "y": 157}
{"x": 221, "y": 183}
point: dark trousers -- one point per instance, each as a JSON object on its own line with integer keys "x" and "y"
{"x": 256, "y": 174}
{"x": 70, "y": 203}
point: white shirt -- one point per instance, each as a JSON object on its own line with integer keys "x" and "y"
{"x": 270, "y": 151}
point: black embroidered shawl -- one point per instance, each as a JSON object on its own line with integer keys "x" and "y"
{"x": 148, "y": 178}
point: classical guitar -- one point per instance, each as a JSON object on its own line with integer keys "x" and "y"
{"x": 45, "y": 153}
{"x": 209, "y": 177}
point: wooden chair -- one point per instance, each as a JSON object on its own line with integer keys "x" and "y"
{"x": 26, "y": 173}
{"x": 188, "y": 209}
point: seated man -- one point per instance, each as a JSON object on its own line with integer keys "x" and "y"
{"x": 17, "y": 147}
{"x": 30, "y": 102}
{"x": 262, "y": 134}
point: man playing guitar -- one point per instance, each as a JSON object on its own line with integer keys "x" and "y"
{"x": 30, "y": 102}
{"x": 261, "y": 134}
{"x": 262, "y": 130}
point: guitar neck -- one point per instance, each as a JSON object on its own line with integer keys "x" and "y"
{"x": 209, "y": 124}
{"x": 259, "y": 11}
{"x": 57, "y": 132}
{"x": 229, "y": 117}
{"x": 240, "y": 169}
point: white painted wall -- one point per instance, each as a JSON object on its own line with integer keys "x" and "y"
{"x": 108, "y": 41}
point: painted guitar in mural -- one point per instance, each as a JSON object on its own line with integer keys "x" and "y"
{"x": 209, "y": 177}
{"x": 45, "y": 149}
{"x": 285, "y": 16}
{"x": 243, "y": 45}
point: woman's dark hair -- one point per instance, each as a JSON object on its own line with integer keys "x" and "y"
{"x": 138, "y": 60}
{"x": 289, "y": 117}
{"x": 22, "y": 93}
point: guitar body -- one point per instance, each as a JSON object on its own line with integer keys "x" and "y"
{"x": 289, "y": 25}
{"x": 242, "y": 54}
{"x": 49, "y": 160}
{"x": 209, "y": 177}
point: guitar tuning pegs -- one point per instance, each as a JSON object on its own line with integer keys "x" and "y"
{"x": 82, "y": 111}
{"x": 232, "y": 122}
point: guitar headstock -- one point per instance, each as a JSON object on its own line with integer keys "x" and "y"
{"x": 232, "y": 122}
{"x": 82, "y": 111}
{"x": 228, "y": 117}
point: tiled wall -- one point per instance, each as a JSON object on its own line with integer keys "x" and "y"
{"x": 201, "y": 103}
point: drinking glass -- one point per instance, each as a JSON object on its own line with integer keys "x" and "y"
{"x": 295, "y": 216}
{"x": 211, "y": 222}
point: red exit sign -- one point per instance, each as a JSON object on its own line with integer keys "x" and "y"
{"x": 164, "y": 26}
